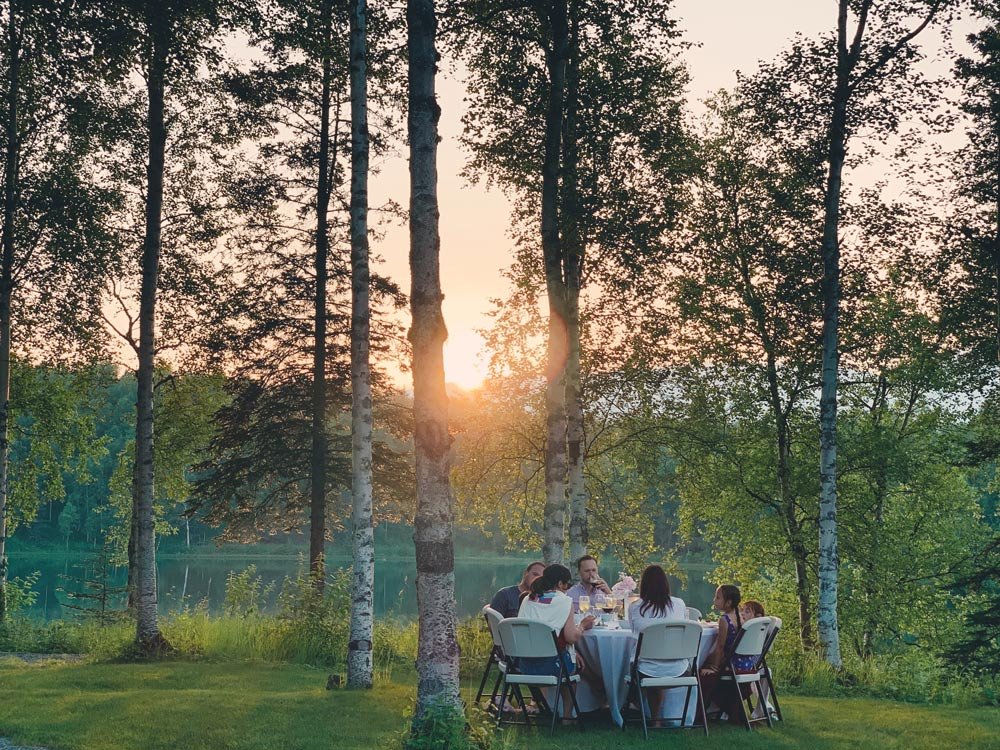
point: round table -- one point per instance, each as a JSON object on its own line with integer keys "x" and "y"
{"x": 608, "y": 654}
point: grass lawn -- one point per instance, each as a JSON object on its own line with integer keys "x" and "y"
{"x": 225, "y": 706}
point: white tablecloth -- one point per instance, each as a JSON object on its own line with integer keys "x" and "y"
{"x": 608, "y": 654}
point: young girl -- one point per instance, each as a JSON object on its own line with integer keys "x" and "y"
{"x": 751, "y": 609}
{"x": 727, "y": 602}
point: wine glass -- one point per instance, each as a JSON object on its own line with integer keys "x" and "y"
{"x": 584, "y": 605}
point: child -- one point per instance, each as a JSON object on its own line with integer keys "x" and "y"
{"x": 727, "y": 602}
{"x": 751, "y": 609}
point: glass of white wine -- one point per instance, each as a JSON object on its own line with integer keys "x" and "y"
{"x": 584, "y": 605}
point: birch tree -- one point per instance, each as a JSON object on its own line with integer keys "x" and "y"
{"x": 872, "y": 54}
{"x": 359, "y": 649}
{"x": 561, "y": 91}
{"x": 437, "y": 646}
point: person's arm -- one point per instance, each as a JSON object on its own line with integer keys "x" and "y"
{"x": 714, "y": 662}
{"x": 573, "y": 632}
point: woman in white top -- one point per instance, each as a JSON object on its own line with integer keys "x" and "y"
{"x": 547, "y": 603}
{"x": 655, "y": 604}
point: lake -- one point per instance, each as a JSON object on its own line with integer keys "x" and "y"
{"x": 203, "y": 578}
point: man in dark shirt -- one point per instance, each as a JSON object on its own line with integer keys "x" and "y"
{"x": 507, "y": 601}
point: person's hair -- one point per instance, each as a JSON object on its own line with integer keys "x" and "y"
{"x": 754, "y": 606}
{"x": 654, "y": 590}
{"x": 584, "y": 559}
{"x": 531, "y": 565}
{"x": 553, "y": 575}
{"x": 731, "y": 593}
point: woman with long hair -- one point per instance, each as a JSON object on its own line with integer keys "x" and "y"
{"x": 655, "y": 605}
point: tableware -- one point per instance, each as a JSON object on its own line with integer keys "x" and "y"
{"x": 584, "y": 604}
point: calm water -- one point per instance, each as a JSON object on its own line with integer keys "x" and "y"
{"x": 204, "y": 578}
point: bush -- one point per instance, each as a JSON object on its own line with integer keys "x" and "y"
{"x": 444, "y": 727}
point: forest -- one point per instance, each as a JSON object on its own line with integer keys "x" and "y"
{"x": 752, "y": 338}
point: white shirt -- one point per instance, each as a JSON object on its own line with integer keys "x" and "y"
{"x": 553, "y": 612}
{"x": 659, "y": 667}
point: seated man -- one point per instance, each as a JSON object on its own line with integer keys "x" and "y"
{"x": 590, "y": 581}
{"x": 507, "y": 601}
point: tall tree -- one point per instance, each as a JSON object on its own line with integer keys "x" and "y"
{"x": 291, "y": 248}
{"x": 172, "y": 42}
{"x": 973, "y": 263}
{"x": 437, "y": 646}
{"x": 359, "y": 649}
{"x": 561, "y": 90}
{"x": 868, "y": 58}
{"x": 53, "y": 230}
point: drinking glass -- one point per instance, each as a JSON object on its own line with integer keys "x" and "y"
{"x": 584, "y": 605}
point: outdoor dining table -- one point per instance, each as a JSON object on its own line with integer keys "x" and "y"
{"x": 608, "y": 653}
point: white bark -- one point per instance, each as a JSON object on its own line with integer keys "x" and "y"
{"x": 359, "y": 651}
{"x": 437, "y": 647}
{"x": 148, "y": 637}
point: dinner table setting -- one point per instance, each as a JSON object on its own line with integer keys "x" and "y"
{"x": 608, "y": 649}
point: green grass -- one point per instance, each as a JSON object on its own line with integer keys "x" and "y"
{"x": 239, "y": 706}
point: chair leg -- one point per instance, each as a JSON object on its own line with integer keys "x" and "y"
{"x": 643, "y": 705}
{"x": 773, "y": 693}
{"x": 687, "y": 702}
{"x": 482, "y": 683}
{"x": 555, "y": 708}
{"x": 576, "y": 707}
{"x": 743, "y": 705}
{"x": 503, "y": 700}
{"x": 701, "y": 703}
{"x": 496, "y": 687}
{"x": 524, "y": 706}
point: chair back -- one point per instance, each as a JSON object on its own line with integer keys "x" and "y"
{"x": 693, "y": 614}
{"x": 772, "y": 633}
{"x": 752, "y": 636}
{"x": 527, "y": 639}
{"x": 672, "y": 639}
{"x": 493, "y": 619}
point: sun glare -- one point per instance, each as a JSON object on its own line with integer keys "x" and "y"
{"x": 464, "y": 360}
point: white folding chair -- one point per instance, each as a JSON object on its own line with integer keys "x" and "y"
{"x": 749, "y": 642}
{"x": 766, "y": 685}
{"x": 694, "y": 614}
{"x": 497, "y": 658}
{"x": 674, "y": 640}
{"x": 529, "y": 639}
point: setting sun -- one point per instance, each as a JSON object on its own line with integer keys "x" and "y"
{"x": 464, "y": 359}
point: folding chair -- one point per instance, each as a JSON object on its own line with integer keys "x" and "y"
{"x": 766, "y": 677}
{"x": 521, "y": 638}
{"x": 749, "y": 642}
{"x": 497, "y": 658}
{"x": 693, "y": 614}
{"x": 675, "y": 639}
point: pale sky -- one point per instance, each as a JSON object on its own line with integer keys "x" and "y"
{"x": 475, "y": 247}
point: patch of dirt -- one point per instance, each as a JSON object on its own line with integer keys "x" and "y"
{"x": 36, "y": 659}
{"x": 6, "y": 745}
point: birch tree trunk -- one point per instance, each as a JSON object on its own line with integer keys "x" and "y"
{"x": 573, "y": 251}
{"x": 7, "y": 283}
{"x": 437, "y": 648}
{"x": 148, "y": 637}
{"x": 557, "y": 352}
{"x": 317, "y": 500}
{"x": 829, "y": 560}
{"x": 359, "y": 648}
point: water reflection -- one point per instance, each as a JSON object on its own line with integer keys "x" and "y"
{"x": 192, "y": 580}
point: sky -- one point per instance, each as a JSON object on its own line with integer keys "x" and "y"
{"x": 730, "y": 35}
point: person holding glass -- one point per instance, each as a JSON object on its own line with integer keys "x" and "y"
{"x": 655, "y": 604}
{"x": 591, "y": 584}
